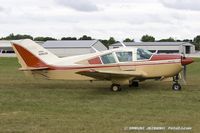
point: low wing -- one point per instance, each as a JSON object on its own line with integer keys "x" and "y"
{"x": 109, "y": 74}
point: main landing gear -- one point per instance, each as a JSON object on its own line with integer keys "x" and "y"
{"x": 176, "y": 86}
{"x": 134, "y": 84}
{"x": 115, "y": 87}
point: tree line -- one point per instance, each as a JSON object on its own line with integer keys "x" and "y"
{"x": 106, "y": 42}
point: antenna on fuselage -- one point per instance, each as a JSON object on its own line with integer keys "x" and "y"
{"x": 122, "y": 44}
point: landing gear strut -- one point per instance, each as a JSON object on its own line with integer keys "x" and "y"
{"x": 176, "y": 86}
{"x": 134, "y": 84}
{"x": 115, "y": 87}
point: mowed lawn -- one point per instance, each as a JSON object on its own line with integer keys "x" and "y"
{"x": 47, "y": 106}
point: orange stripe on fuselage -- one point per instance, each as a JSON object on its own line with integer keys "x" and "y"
{"x": 105, "y": 66}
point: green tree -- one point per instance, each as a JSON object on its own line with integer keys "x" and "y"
{"x": 147, "y": 38}
{"x": 85, "y": 37}
{"x": 111, "y": 40}
{"x": 68, "y": 38}
{"x": 170, "y": 39}
{"x": 44, "y": 39}
{"x": 108, "y": 42}
{"x": 16, "y": 37}
{"x": 196, "y": 42}
{"x": 188, "y": 40}
{"x": 128, "y": 40}
{"x": 185, "y": 40}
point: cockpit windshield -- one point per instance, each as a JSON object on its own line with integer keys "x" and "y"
{"x": 143, "y": 54}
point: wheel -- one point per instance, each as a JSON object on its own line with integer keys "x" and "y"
{"x": 176, "y": 87}
{"x": 115, "y": 87}
{"x": 135, "y": 84}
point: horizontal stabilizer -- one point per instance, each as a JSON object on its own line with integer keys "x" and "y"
{"x": 33, "y": 68}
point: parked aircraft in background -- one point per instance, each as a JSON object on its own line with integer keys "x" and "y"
{"x": 125, "y": 65}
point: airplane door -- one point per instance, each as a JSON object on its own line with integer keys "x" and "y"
{"x": 125, "y": 59}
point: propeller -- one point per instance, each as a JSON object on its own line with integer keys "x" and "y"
{"x": 185, "y": 61}
{"x": 184, "y": 71}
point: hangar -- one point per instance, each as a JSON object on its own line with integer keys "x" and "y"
{"x": 161, "y": 47}
{"x": 60, "y": 48}
{"x": 6, "y": 48}
{"x": 73, "y": 47}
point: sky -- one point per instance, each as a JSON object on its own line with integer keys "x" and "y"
{"x": 101, "y": 19}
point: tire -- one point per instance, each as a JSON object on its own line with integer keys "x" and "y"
{"x": 135, "y": 84}
{"x": 115, "y": 87}
{"x": 176, "y": 87}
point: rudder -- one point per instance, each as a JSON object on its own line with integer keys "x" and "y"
{"x": 32, "y": 55}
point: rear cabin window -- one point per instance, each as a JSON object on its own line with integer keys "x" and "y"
{"x": 143, "y": 54}
{"x": 108, "y": 58}
{"x": 124, "y": 56}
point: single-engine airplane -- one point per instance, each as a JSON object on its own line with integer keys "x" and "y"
{"x": 124, "y": 65}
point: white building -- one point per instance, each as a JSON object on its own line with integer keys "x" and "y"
{"x": 160, "y": 47}
{"x": 60, "y": 48}
{"x": 6, "y": 49}
{"x": 73, "y": 47}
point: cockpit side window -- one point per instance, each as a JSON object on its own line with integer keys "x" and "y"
{"x": 124, "y": 56}
{"x": 143, "y": 54}
{"x": 108, "y": 58}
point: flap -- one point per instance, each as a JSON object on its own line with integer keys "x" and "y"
{"x": 100, "y": 74}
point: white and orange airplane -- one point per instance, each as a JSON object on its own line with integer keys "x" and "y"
{"x": 125, "y": 65}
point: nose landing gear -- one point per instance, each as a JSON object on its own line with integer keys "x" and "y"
{"x": 176, "y": 86}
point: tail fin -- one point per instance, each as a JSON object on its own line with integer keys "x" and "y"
{"x": 32, "y": 55}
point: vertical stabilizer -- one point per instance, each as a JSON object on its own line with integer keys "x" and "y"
{"x": 32, "y": 55}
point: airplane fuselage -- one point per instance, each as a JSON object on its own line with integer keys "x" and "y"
{"x": 119, "y": 65}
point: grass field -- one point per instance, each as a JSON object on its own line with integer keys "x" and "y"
{"x": 46, "y": 106}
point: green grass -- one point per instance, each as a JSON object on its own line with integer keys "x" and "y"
{"x": 46, "y": 106}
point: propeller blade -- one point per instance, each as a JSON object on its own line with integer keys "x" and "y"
{"x": 184, "y": 74}
{"x": 184, "y": 71}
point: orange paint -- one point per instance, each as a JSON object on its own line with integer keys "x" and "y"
{"x": 165, "y": 57}
{"x": 30, "y": 59}
{"x": 186, "y": 61}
